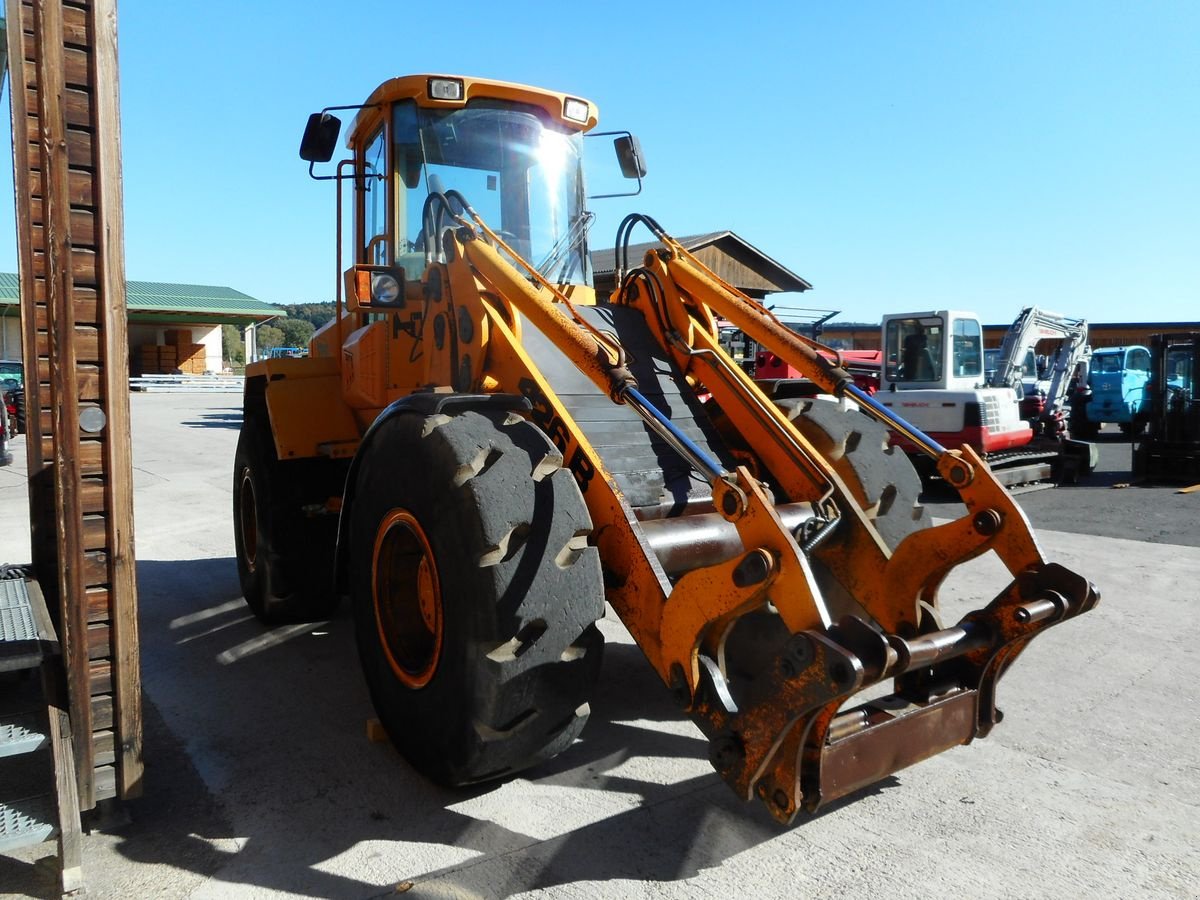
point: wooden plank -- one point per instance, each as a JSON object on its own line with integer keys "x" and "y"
{"x": 85, "y": 308}
{"x": 98, "y": 605}
{"x": 89, "y": 386}
{"x": 102, "y": 712}
{"x": 90, "y": 456}
{"x": 105, "y": 780}
{"x": 81, "y": 217}
{"x": 76, "y": 71}
{"x": 92, "y": 498}
{"x": 95, "y": 537}
{"x": 98, "y": 647}
{"x": 84, "y": 238}
{"x": 104, "y": 748}
{"x": 79, "y": 192}
{"x": 79, "y": 147}
{"x": 102, "y": 25}
{"x": 43, "y": 369}
{"x": 62, "y": 743}
{"x": 86, "y": 340}
{"x": 75, "y": 24}
{"x": 83, "y": 265}
{"x": 95, "y": 568}
{"x": 76, "y": 104}
{"x": 101, "y": 681}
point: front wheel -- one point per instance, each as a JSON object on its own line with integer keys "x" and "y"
{"x": 475, "y": 593}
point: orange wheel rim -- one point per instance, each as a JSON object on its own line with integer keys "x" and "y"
{"x": 407, "y": 598}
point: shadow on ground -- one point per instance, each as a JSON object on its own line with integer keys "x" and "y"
{"x": 221, "y": 418}
{"x": 258, "y": 772}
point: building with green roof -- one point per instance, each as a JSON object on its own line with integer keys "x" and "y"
{"x": 154, "y": 309}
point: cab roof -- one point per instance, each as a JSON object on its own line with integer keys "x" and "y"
{"x": 416, "y": 87}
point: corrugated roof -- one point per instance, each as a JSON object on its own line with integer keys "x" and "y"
{"x": 604, "y": 262}
{"x": 151, "y": 296}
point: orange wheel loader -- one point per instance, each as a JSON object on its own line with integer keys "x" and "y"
{"x": 498, "y": 454}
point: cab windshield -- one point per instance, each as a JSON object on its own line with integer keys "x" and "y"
{"x": 516, "y": 167}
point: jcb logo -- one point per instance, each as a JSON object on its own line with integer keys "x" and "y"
{"x": 545, "y": 418}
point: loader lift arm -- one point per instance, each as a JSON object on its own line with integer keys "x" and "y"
{"x": 785, "y": 741}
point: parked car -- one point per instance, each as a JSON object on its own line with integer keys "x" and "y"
{"x": 1117, "y": 391}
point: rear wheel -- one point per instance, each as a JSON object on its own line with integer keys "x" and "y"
{"x": 284, "y": 540}
{"x": 475, "y": 593}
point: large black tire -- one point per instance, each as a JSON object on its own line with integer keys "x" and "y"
{"x": 475, "y": 593}
{"x": 881, "y": 478}
{"x": 285, "y": 546}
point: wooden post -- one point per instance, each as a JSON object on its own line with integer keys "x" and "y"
{"x": 67, "y": 172}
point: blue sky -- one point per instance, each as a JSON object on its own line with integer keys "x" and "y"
{"x": 899, "y": 156}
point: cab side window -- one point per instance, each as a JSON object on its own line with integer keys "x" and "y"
{"x": 1139, "y": 361}
{"x": 376, "y": 248}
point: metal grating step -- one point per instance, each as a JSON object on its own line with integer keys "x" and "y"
{"x": 22, "y": 734}
{"x": 20, "y": 642}
{"x": 26, "y": 821}
{"x": 16, "y": 612}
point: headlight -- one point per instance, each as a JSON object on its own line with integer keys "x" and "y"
{"x": 575, "y": 110}
{"x": 385, "y": 289}
{"x": 445, "y": 89}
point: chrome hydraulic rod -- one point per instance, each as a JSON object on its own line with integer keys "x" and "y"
{"x": 710, "y": 468}
{"x": 884, "y": 415}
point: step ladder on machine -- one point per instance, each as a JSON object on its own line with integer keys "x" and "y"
{"x": 38, "y": 797}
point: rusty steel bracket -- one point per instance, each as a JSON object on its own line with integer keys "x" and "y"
{"x": 783, "y": 748}
{"x": 704, "y": 601}
{"x": 809, "y": 672}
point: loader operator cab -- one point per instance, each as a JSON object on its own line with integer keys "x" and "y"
{"x": 426, "y": 146}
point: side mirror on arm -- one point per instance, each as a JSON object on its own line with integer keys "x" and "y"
{"x": 629, "y": 156}
{"x": 320, "y": 137}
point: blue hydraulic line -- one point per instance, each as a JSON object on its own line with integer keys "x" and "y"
{"x": 893, "y": 421}
{"x": 710, "y": 468}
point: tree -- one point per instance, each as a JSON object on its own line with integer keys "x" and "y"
{"x": 296, "y": 332}
{"x": 317, "y": 313}
{"x": 268, "y": 336}
{"x": 233, "y": 347}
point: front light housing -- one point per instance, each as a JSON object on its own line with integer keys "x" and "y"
{"x": 374, "y": 287}
{"x": 576, "y": 110}
{"x": 385, "y": 289}
{"x": 445, "y": 89}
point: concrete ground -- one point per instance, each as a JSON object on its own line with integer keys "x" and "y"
{"x": 260, "y": 780}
